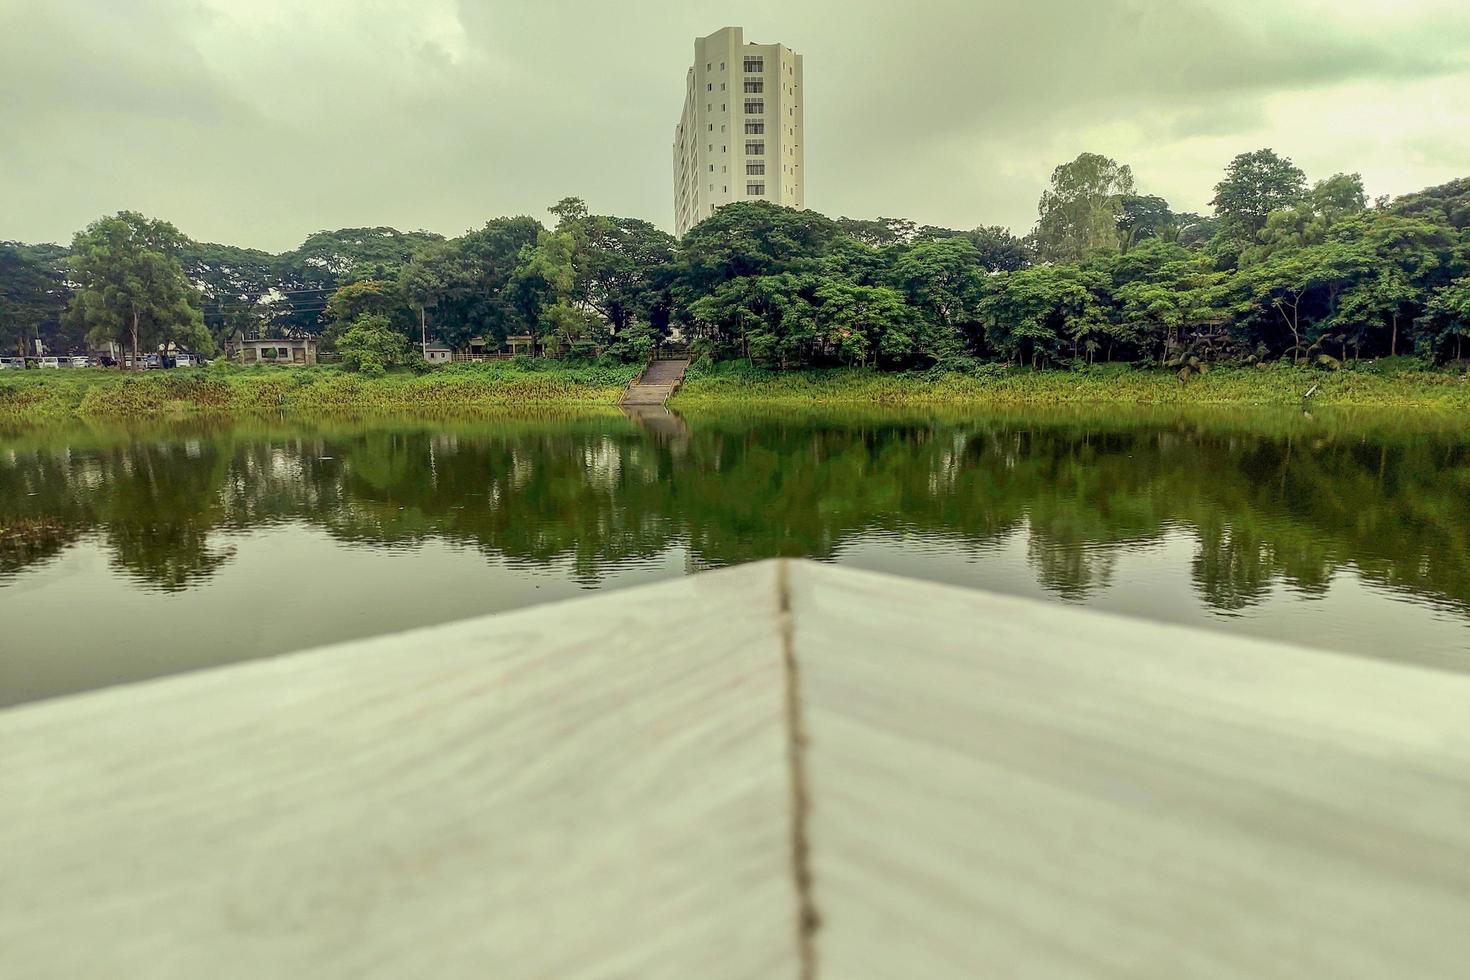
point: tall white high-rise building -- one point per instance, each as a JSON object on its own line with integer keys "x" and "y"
{"x": 740, "y": 136}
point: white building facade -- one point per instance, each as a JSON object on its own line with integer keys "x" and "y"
{"x": 740, "y": 135}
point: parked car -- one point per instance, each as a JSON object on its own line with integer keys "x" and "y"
{"x": 80, "y": 361}
{"x": 12, "y": 363}
{"x": 188, "y": 360}
{"x": 49, "y": 362}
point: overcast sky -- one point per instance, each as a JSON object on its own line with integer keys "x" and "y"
{"x": 256, "y": 122}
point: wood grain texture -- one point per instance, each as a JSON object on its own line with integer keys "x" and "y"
{"x": 554, "y": 793}
{"x": 1005, "y": 788}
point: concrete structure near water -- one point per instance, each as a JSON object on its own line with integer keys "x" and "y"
{"x": 278, "y": 350}
{"x": 784, "y": 769}
{"x": 741, "y": 134}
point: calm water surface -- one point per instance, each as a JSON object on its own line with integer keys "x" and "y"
{"x": 131, "y": 553}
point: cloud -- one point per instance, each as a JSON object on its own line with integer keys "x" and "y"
{"x": 259, "y": 121}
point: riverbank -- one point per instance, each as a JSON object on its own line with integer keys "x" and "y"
{"x": 1110, "y": 385}
{"x": 314, "y": 391}
{"x": 36, "y": 396}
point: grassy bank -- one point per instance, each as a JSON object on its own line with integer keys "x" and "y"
{"x": 316, "y": 391}
{"x": 327, "y": 392}
{"x": 1110, "y": 385}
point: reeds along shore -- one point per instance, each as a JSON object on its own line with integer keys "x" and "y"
{"x": 105, "y": 394}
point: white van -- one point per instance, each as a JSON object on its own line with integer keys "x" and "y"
{"x": 12, "y": 363}
{"x": 49, "y": 362}
{"x": 79, "y": 360}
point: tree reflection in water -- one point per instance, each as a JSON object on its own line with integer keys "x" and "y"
{"x": 1270, "y": 499}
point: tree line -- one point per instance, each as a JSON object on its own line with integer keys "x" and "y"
{"x": 1283, "y": 269}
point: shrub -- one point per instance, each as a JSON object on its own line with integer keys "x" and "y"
{"x": 370, "y": 345}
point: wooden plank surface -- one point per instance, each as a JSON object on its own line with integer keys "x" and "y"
{"x": 1005, "y": 788}
{"x": 555, "y": 793}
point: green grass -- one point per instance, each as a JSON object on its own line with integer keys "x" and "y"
{"x": 231, "y": 390}
{"x": 325, "y": 391}
{"x": 730, "y": 384}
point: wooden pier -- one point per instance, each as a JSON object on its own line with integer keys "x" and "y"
{"x": 814, "y": 773}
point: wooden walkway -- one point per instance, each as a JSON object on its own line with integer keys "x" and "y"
{"x": 657, "y": 382}
{"x": 815, "y": 773}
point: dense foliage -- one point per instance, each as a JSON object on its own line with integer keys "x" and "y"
{"x": 1283, "y": 270}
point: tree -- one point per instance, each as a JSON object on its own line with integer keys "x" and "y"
{"x": 1194, "y": 230}
{"x": 371, "y": 345}
{"x": 865, "y": 323}
{"x": 1310, "y": 220}
{"x": 1300, "y": 286}
{"x": 878, "y": 232}
{"x": 1144, "y": 216}
{"x": 751, "y": 238}
{"x": 1163, "y": 292}
{"x": 1255, "y": 184}
{"x": 943, "y": 282}
{"x": 614, "y": 262}
{"x": 1079, "y": 213}
{"x": 1445, "y": 204}
{"x": 1446, "y": 320}
{"x": 1029, "y": 315}
{"x": 33, "y": 292}
{"x": 243, "y": 290}
{"x": 1402, "y": 259}
{"x": 470, "y": 283}
{"x": 131, "y": 286}
{"x": 368, "y": 296}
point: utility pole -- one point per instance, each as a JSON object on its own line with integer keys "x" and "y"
{"x": 423, "y": 333}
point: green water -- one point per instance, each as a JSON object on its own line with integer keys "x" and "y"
{"x": 131, "y": 553}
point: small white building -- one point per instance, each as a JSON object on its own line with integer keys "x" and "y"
{"x": 278, "y": 350}
{"x": 438, "y": 353}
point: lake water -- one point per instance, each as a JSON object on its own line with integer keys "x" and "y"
{"x": 128, "y": 553}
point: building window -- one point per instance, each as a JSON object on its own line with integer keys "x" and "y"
{"x": 711, "y": 127}
{"x": 755, "y": 188}
{"x": 755, "y": 106}
{"x": 755, "y": 64}
{"x": 709, "y": 87}
{"x": 756, "y": 85}
{"x": 755, "y": 127}
{"x": 755, "y": 168}
{"x": 722, "y": 66}
{"x": 711, "y": 168}
{"x": 755, "y": 148}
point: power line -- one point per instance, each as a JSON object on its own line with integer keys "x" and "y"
{"x": 266, "y": 312}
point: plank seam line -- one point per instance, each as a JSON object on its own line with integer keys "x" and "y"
{"x": 807, "y": 919}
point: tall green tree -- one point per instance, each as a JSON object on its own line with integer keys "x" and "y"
{"x": 943, "y": 282}
{"x": 1079, "y": 212}
{"x": 467, "y": 286}
{"x": 33, "y": 292}
{"x": 1446, "y": 321}
{"x": 1144, "y": 216}
{"x": 131, "y": 287}
{"x": 1254, "y": 185}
